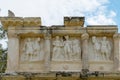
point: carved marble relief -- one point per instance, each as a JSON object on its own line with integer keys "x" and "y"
{"x": 96, "y": 48}
{"x": 32, "y": 49}
{"x": 102, "y": 49}
{"x": 57, "y": 49}
{"x": 65, "y": 48}
{"x": 105, "y": 49}
{"x": 76, "y": 49}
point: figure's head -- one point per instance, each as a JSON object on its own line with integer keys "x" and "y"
{"x": 28, "y": 39}
{"x": 38, "y": 39}
{"x": 94, "y": 38}
{"x": 104, "y": 38}
{"x": 67, "y": 37}
{"x": 57, "y": 37}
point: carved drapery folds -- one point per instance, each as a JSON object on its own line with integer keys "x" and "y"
{"x": 102, "y": 48}
{"x": 32, "y": 49}
{"x": 66, "y": 49}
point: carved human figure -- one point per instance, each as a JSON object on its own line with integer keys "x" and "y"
{"x": 76, "y": 49}
{"x": 57, "y": 49}
{"x": 105, "y": 48}
{"x": 36, "y": 48}
{"x": 96, "y": 47}
{"x": 28, "y": 48}
{"x": 68, "y": 48}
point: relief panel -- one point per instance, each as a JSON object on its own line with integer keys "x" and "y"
{"x": 66, "y": 51}
{"x": 32, "y": 49}
{"x": 101, "y": 53}
{"x": 101, "y": 49}
{"x": 32, "y": 53}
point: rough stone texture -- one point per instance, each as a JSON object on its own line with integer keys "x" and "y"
{"x": 74, "y": 21}
{"x": 10, "y": 14}
{"x": 32, "y": 21}
{"x": 20, "y": 21}
{"x": 61, "y": 78}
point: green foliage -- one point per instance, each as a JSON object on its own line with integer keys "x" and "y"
{"x": 3, "y": 52}
{"x": 3, "y": 60}
{"x": 2, "y": 32}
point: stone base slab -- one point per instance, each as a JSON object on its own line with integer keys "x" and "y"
{"x": 66, "y": 66}
{"x": 101, "y": 66}
{"x": 59, "y": 78}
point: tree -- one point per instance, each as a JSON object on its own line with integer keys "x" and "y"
{"x": 3, "y": 52}
{"x": 2, "y": 32}
{"x": 3, "y": 59}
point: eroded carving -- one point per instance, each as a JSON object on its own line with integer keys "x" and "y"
{"x": 10, "y": 14}
{"x": 96, "y": 47}
{"x": 32, "y": 50}
{"x": 66, "y": 49}
{"x": 105, "y": 48}
{"x": 28, "y": 48}
{"x": 76, "y": 49}
{"x": 57, "y": 49}
{"x": 101, "y": 48}
{"x": 36, "y": 48}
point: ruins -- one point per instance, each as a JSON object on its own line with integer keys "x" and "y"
{"x": 69, "y": 48}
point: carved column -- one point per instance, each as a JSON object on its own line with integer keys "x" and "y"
{"x": 47, "y": 51}
{"x": 116, "y": 52}
{"x": 85, "y": 63}
{"x": 13, "y": 51}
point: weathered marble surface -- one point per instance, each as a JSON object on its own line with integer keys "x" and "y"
{"x": 35, "y": 48}
{"x": 101, "y": 48}
{"x": 66, "y": 49}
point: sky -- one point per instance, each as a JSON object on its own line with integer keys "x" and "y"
{"x": 96, "y": 12}
{"x": 52, "y": 11}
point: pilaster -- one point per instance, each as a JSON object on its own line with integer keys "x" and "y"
{"x": 13, "y": 51}
{"x": 47, "y": 50}
{"x": 85, "y": 63}
{"x": 116, "y": 52}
